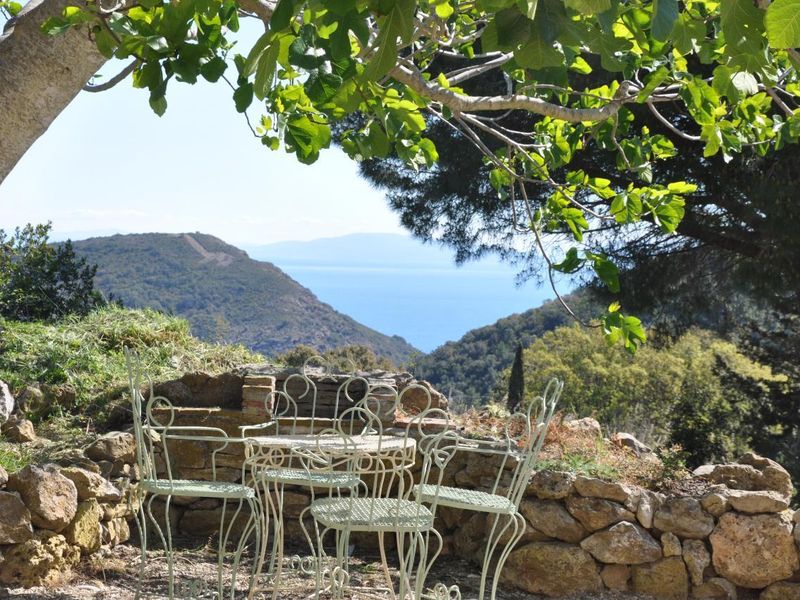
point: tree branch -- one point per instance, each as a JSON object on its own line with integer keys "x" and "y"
{"x": 107, "y": 85}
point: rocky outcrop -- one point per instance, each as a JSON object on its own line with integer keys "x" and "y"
{"x": 91, "y": 485}
{"x": 665, "y": 579}
{"x": 18, "y": 430}
{"x": 15, "y": 519}
{"x": 84, "y": 531}
{"x": 684, "y": 517}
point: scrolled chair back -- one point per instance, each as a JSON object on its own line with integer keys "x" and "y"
{"x": 150, "y": 430}
{"x": 525, "y": 434}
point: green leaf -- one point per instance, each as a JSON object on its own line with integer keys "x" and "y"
{"x": 665, "y": 14}
{"x": 106, "y": 43}
{"x": 283, "y": 14}
{"x": 444, "y": 10}
{"x": 261, "y": 45}
{"x": 384, "y": 58}
{"x": 617, "y": 327}
{"x": 508, "y": 29}
{"x": 571, "y": 263}
{"x": 627, "y": 208}
{"x": 783, "y": 24}
{"x": 606, "y": 270}
{"x": 159, "y": 105}
{"x": 213, "y": 69}
{"x": 306, "y": 138}
{"x": 243, "y": 97}
{"x": 589, "y": 7}
{"x": 55, "y": 26}
{"x": 655, "y": 80}
{"x": 538, "y": 54}
{"x": 687, "y": 34}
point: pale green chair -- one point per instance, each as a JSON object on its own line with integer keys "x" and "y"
{"x": 154, "y": 429}
{"x": 524, "y": 436}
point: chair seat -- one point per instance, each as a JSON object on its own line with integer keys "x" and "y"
{"x": 204, "y": 489}
{"x": 372, "y": 514}
{"x": 465, "y": 499}
{"x": 307, "y": 478}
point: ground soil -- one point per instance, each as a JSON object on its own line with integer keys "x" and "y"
{"x": 114, "y": 576}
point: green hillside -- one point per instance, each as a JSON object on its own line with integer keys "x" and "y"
{"x": 467, "y": 370}
{"x": 225, "y": 295}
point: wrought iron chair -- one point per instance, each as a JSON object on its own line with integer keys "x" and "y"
{"x": 154, "y": 428}
{"x": 382, "y": 501}
{"x": 524, "y": 437}
{"x": 273, "y": 467}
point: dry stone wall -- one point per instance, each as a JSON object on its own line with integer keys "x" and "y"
{"x": 51, "y": 515}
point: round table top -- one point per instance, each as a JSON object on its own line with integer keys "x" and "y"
{"x": 369, "y": 443}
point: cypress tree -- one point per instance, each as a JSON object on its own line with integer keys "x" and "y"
{"x": 516, "y": 383}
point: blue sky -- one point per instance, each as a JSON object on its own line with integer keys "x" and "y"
{"x": 109, "y": 164}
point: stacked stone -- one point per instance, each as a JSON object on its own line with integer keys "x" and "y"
{"x": 51, "y": 515}
{"x": 256, "y": 394}
{"x": 585, "y": 535}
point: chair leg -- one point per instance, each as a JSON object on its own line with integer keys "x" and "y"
{"x": 166, "y": 542}
{"x": 240, "y": 546}
{"x": 141, "y": 526}
{"x": 519, "y": 530}
{"x": 491, "y": 544}
{"x": 277, "y": 542}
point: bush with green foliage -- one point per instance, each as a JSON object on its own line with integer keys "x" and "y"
{"x": 687, "y": 393}
{"x": 40, "y": 281}
{"x": 344, "y": 358}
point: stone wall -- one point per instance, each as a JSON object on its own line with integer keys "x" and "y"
{"x": 51, "y": 515}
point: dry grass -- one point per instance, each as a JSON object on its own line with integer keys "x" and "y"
{"x": 581, "y": 452}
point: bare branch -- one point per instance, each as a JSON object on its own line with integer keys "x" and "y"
{"x": 107, "y": 85}
{"x": 665, "y": 122}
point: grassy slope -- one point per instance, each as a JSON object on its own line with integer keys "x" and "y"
{"x": 87, "y": 352}
{"x": 227, "y": 297}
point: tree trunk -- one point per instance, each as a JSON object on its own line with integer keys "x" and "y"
{"x": 39, "y": 77}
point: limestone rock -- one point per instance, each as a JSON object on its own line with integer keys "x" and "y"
{"x": 616, "y": 577}
{"x": 751, "y": 473}
{"x": 717, "y": 588}
{"x": 116, "y": 531}
{"x": 207, "y": 522}
{"x": 597, "y": 513}
{"x": 684, "y": 517}
{"x": 19, "y": 431}
{"x": 624, "y": 543}
{"x": 670, "y": 544}
{"x": 15, "y": 519}
{"x": 761, "y": 501}
{"x": 552, "y": 519}
{"x": 223, "y": 390}
{"x": 754, "y": 551}
{"x": 586, "y": 426}
{"x": 597, "y": 488}
{"x": 91, "y": 485}
{"x": 626, "y": 440}
{"x": 469, "y": 538}
{"x": 3, "y": 476}
{"x": 51, "y": 497}
{"x": 415, "y": 399}
{"x": 41, "y": 560}
{"x": 116, "y": 445}
{"x": 715, "y": 503}
{"x": 188, "y": 454}
{"x": 782, "y": 590}
{"x": 551, "y": 485}
{"x": 553, "y": 569}
{"x": 6, "y": 402}
{"x": 665, "y": 579}
{"x": 177, "y": 392}
{"x": 649, "y": 503}
{"x": 84, "y": 531}
{"x": 697, "y": 558}
{"x": 31, "y": 401}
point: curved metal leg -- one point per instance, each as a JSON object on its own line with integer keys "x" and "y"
{"x": 166, "y": 542}
{"x": 141, "y": 526}
{"x": 519, "y": 530}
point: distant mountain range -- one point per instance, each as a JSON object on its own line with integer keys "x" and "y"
{"x": 224, "y": 294}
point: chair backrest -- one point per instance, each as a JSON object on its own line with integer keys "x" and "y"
{"x": 146, "y": 439}
{"x": 527, "y": 432}
{"x": 298, "y": 405}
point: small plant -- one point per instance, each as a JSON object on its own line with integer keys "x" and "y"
{"x": 14, "y": 457}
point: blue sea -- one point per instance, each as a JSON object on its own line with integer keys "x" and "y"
{"x": 427, "y": 303}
